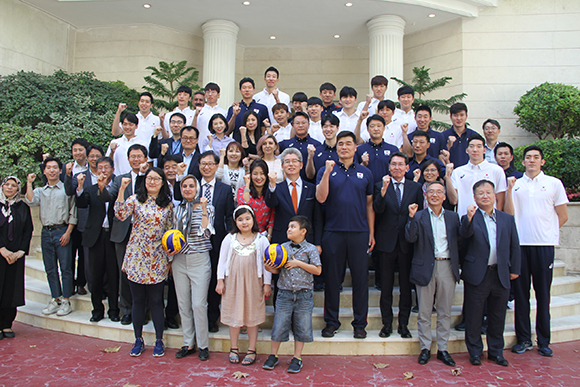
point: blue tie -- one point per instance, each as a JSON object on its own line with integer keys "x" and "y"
{"x": 398, "y": 193}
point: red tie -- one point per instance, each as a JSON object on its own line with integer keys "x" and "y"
{"x": 294, "y": 197}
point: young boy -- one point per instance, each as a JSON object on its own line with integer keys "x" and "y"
{"x": 282, "y": 129}
{"x": 295, "y": 302}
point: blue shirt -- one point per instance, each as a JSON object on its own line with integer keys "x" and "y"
{"x": 302, "y": 145}
{"x": 346, "y": 204}
{"x": 329, "y": 109}
{"x": 437, "y": 141}
{"x": 458, "y": 155}
{"x": 323, "y": 153}
{"x": 262, "y": 111}
{"x": 379, "y": 155}
{"x": 414, "y": 164}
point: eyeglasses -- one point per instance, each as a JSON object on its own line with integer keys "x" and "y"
{"x": 188, "y": 138}
{"x": 204, "y": 164}
{"x": 437, "y": 192}
{"x": 292, "y": 161}
{"x": 134, "y": 157}
{"x": 151, "y": 179}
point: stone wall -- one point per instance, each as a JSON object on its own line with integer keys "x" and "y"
{"x": 569, "y": 249}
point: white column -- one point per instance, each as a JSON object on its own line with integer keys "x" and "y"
{"x": 386, "y": 50}
{"x": 219, "y": 57}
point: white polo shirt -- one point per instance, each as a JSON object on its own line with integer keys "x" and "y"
{"x": 268, "y": 100}
{"x": 400, "y": 117}
{"x": 393, "y": 134}
{"x": 187, "y": 112}
{"x": 349, "y": 122}
{"x": 283, "y": 133}
{"x": 315, "y": 131}
{"x": 535, "y": 202}
{"x": 372, "y": 107}
{"x": 465, "y": 177}
{"x": 120, "y": 157}
{"x": 206, "y": 113}
{"x": 146, "y": 128}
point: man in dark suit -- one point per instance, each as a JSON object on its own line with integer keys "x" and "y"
{"x": 121, "y": 231}
{"x": 435, "y": 268}
{"x": 491, "y": 260}
{"x": 172, "y": 145}
{"x": 97, "y": 237}
{"x": 391, "y": 202}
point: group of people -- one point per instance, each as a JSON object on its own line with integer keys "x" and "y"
{"x": 334, "y": 185}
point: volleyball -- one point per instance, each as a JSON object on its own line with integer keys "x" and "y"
{"x": 173, "y": 240}
{"x": 276, "y": 255}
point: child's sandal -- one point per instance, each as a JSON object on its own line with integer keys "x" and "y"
{"x": 235, "y": 358}
{"x": 249, "y": 360}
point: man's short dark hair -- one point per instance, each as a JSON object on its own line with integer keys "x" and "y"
{"x": 399, "y": 154}
{"x": 420, "y": 133}
{"x": 458, "y": 107}
{"x": 280, "y": 106}
{"x": 137, "y": 147}
{"x": 482, "y": 182}
{"x": 503, "y": 145}
{"x": 180, "y": 115}
{"x": 188, "y": 128}
{"x": 348, "y": 91}
{"x": 332, "y": 118}
{"x": 301, "y": 114}
{"x": 131, "y": 117}
{"x": 439, "y": 182}
{"x": 474, "y": 137}
{"x": 82, "y": 142}
{"x": 212, "y": 86}
{"x": 299, "y": 97}
{"x": 211, "y": 154}
{"x": 106, "y": 159}
{"x": 246, "y": 80}
{"x": 346, "y": 133}
{"x": 184, "y": 89}
{"x": 405, "y": 90}
{"x": 375, "y": 117}
{"x": 147, "y": 94}
{"x": 491, "y": 121}
{"x": 533, "y": 148}
{"x": 96, "y": 147}
{"x": 386, "y": 103}
{"x": 175, "y": 157}
{"x": 274, "y": 69}
{"x": 49, "y": 159}
{"x": 327, "y": 86}
{"x": 302, "y": 221}
{"x": 314, "y": 101}
{"x": 379, "y": 80}
{"x": 424, "y": 108}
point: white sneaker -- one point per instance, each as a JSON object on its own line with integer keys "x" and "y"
{"x": 52, "y": 307}
{"x": 65, "y": 308}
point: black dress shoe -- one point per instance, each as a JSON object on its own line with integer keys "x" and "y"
{"x": 386, "y": 331}
{"x": 8, "y": 334}
{"x": 360, "y": 333}
{"x": 184, "y": 352}
{"x": 404, "y": 332}
{"x": 203, "y": 354}
{"x": 499, "y": 360}
{"x": 96, "y": 318}
{"x": 114, "y": 318}
{"x": 329, "y": 331}
{"x": 126, "y": 320}
{"x": 446, "y": 358}
{"x": 81, "y": 291}
{"x": 475, "y": 360}
{"x": 213, "y": 327}
{"x": 171, "y": 323}
{"x": 424, "y": 356}
{"x": 460, "y": 327}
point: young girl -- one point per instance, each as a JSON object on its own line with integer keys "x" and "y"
{"x": 217, "y": 140}
{"x": 231, "y": 170}
{"x": 250, "y": 133}
{"x": 243, "y": 282}
{"x": 256, "y": 184}
{"x": 268, "y": 151}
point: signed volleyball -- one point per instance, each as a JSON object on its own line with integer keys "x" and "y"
{"x": 173, "y": 240}
{"x": 275, "y": 254}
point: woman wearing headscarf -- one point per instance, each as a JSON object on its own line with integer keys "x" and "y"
{"x": 15, "y": 236}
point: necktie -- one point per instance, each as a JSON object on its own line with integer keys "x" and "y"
{"x": 207, "y": 192}
{"x": 398, "y": 193}
{"x": 294, "y": 197}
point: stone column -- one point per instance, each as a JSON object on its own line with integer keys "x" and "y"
{"x": 386, "y": 50}
{"x": 219, "y": 57}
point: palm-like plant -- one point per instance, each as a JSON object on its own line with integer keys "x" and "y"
{"x": 423, "y": 84}
{"x": 165, "y": 80}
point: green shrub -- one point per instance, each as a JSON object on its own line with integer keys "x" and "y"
{"x": 550, "y": 109}
{"x": 562, "y": 161}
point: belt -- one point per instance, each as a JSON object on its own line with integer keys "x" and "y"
{"x": 442, "y": 259}
{"x": 54, "y": 227}
{"x": 106, "y": 229}
{"x": 492, "y": 267}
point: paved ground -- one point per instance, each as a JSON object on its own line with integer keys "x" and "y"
{"x": 38, "y": 357}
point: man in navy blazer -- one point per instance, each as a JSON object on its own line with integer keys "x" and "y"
{"x": 97, "y": 237}
{"x": 435, "y": 268}
{"x": 392, "y": 198}
{"x": 492, "y": 258}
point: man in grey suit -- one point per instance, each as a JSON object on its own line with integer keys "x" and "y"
{"x": 435, "y": 268}
{"x": 121, "y": 231}
{"x": 491, "y": 261}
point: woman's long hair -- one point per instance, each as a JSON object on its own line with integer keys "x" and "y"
{"x": 163, "y": 198}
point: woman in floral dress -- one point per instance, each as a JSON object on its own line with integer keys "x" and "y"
{"x": 146, "y": 263}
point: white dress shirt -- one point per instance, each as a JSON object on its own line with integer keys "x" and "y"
{"x": 206, "y": 113}
{"x": 268, "y": 100}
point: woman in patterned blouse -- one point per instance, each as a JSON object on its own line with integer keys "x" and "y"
{"x": 253, "y": 195}
{"x": 145, "y": 261}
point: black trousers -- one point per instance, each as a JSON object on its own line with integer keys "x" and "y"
{"x": 7, "y": 316}
{"x": 339, "y": 248}
{"x": 76, "y": 238}
{"x": 492, "y": 291}
{"x": 213, "y": 299}
{"x": 388, "y": 264}
{"x": 537, "y": 263}
{"x": 171, "y": 310}
{"x": 152, "y": 295}
{"x": 125, "y": 297}
{"x": 103, "y": 259}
